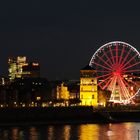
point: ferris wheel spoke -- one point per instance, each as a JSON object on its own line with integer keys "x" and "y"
{"x": 126, "y": 83}
{"x": 123, "y": 87}
{"x": 128, "y": 71}
{"x": 112, "y": 86}
{"x": 104, "y": 62}
{"x": 104, "y": 84}
{"x": 102, "y": 66}
{"x": 124, "y": 94}
{"x": 125, "y": 58}
{"x": 105, "y": 75}
{"x": 108, "y": 59}
{"x": 112, "y": 57}
{"x": 107, "y": 83}
{"x": 103, "y": 81}
{"x": 117, "y": 53}
{"x": 122, "y": 52}
{"x": 135, "y": 64}
{"x": 112, "y": 83}
{"x": 130, "y": 60}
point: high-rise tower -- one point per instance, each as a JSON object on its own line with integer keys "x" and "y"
{"x": 19, "y": 68}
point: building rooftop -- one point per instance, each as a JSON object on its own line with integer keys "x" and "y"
{"x": 87, "y": 67}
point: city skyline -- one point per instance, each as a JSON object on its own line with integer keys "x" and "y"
{"x": 63, "y": 36}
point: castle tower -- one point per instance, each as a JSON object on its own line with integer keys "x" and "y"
{"x": 88, "y": 86}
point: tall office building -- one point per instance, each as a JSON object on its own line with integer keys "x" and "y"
{"x": 19, "y": 68}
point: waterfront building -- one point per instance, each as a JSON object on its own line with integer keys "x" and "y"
{"x": 62, "y": 92}
{"x": 74, "y": 87}
{"x": 29, "y": 92}
{"x": 65, "y": 93}
{"x": 20, "y": 68}
{"x": 12, "y": 69}
{"x": 88, "y": 86}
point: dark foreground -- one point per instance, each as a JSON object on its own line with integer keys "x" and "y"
{"x": 75, "y": 114}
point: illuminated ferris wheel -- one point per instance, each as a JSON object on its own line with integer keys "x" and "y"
{"x": 118, "y": 70}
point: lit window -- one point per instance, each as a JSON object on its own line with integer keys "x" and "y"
{"x": 38, "y": 98}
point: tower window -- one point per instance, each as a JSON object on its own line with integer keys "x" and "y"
{"x": 92, "y": 96}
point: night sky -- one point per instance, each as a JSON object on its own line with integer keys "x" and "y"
{"x": 63, "y": 35}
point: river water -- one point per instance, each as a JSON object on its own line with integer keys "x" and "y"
{"x": 119, "y": 131}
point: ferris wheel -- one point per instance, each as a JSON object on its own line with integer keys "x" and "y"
{"x": 117, "y": 65}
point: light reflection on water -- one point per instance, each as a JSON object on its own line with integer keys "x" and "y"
{"x": 121, "y": 131}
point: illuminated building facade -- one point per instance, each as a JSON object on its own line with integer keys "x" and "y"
{"x": 19, "y": 68}
{"x": 88, "y": 87}
{"x": 12, "y": 69}
{"x": 21, "y": 61}
{"x": 62, "y": 92}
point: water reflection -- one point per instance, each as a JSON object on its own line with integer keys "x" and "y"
{"x": 33, "y": 134}
{"x": 14, "y": 133}
{"x": 21, "y": 135}
{"x": 122, "y": 131}
{"x": 50, "y": 133}
{"x": 63, "y": 132}
{"x": 88, "y": 132}
{"x": 66, "y": 132}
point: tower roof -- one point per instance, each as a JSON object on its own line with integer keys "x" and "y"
{"x": 87, "y": 67}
